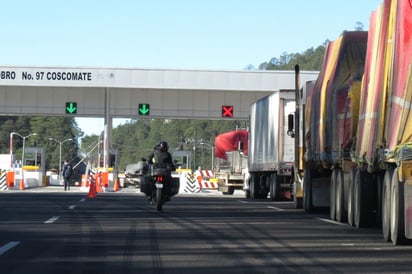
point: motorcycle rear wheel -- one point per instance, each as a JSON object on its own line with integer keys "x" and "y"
{"x": 159, "y": 199}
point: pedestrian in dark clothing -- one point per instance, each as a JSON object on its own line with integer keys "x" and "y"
{"x": 67, "y": 174}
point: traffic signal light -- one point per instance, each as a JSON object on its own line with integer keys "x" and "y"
{"x": 71, "y": 107}
{"x": 144, "y": 109}
{"x": 227, "y": 111}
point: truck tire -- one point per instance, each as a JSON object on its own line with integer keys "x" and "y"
{"x": 230, "y": 191}
{"x": 307, "y": 191}
{"x": 397, "y": 211}
{"x": 263, "y": 188}
{"x": 350, "y": 197}
{"x": 340, "y": 197}
{"x": 358, "y": 207}
{"x": 298, "y": 201}
{"x": 386, "y": 205}
{"x": 273, "y": 187}
{"x": 247, "y": 191}
{"x": 253, "y": 187}
{"x": 332, "y": 203}
{"x": 364, "y": 195}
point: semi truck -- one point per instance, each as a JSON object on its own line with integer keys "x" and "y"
{"x": 230, "y": 151}
{"x": 271, "y": 151}
{"x": 354, "y": 134}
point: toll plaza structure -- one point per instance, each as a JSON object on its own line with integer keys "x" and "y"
{"x": 137, "y": 92}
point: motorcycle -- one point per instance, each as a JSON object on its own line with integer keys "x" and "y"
{"x": 159, "y": 186}
{"x": 160, "y": 193}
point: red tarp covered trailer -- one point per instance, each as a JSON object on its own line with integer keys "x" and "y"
{"x": 229, "y": 141}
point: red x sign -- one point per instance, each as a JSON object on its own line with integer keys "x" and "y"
{"x": 227, "y": 111}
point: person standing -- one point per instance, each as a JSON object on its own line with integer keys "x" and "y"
{"x": 67, "y": 174}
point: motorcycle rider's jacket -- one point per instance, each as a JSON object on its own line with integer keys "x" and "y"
{"x": 163, "y": 159}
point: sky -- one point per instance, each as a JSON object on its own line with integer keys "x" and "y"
{"x": 179, "y": 34}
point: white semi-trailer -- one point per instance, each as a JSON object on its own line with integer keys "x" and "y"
{"x": 271, "y": 151}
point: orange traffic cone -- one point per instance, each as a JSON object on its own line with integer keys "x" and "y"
{"x": 98, "y": 180}
{"x": 116, "y": 185}
{"x": 199, "y": 181}
{"x": 22, "y": 184}
{"x": 92, "y": 190}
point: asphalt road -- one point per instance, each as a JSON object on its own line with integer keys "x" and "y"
{"x": 51, "y": 231}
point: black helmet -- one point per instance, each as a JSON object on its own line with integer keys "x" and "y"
{"x": 164, "y": 146}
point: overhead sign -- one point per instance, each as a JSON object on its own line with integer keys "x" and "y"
{"x": 227, "y": 111}
{"x": 144, "y": 109}
{"x": 117, "y": 92}
{"x": 71, "y": 107}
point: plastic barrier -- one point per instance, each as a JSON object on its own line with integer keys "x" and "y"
{"x": 10, "y": 179}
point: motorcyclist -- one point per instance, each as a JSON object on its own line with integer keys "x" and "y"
{"x": 161, "y": 158}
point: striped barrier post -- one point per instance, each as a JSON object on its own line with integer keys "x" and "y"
{"x": 3, "y": 180}
{"x": 206, "y": 179}
{"x": 192, "y": 185}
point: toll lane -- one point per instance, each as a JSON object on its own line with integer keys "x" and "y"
{"x": 198, "y": 233}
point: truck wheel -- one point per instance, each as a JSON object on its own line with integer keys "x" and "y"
{"x": 350, "y": 197}
{"x": 307, "y": 191}
{"x": 358, "y": 209}
{"x": 298, "y": 201}
{"x": 340, "y": 199}
{"x": 363, "y": 199}
{"x": 252, "y": 187}
{"x": 386, "y": 205}
{"x": 397, "y": 211}
{"x": 273, "y": 187}
{"x": 230, "y": 191}
{"x": 332, "y": 203}
{"x": 263, "y": 187}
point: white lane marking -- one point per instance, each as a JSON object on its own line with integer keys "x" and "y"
{"x": 271, "y": 207}
{"x": 8, "y": 246}
{"x": 52, "y": 220}
{"x": 275, "y": 208}
{"x": 82, "y": 200}
{"x": 72, "y": 207}
{"x": 330, "y": 221}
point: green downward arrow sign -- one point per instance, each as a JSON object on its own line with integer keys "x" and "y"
{"x": 144, "y": 109}
{"x": 71, "y": 107}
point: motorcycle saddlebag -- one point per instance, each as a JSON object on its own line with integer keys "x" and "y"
{"x": 146, "y": 185}
{"x": 174, "y": 187}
